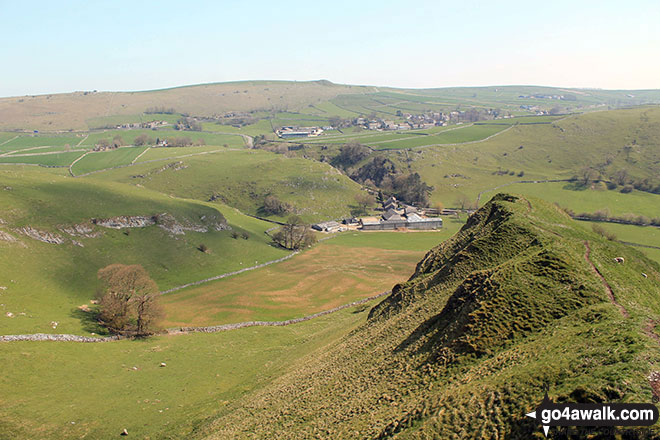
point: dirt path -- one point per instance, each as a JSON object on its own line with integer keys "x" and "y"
{"x": 74, "y": 162}
{"x": 140, "y": 155}
{"x": 9, "y": 140}
{"x": 608, "y": 289}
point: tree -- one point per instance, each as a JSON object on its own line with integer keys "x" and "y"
{"x": 364, "y": 200}
{"x": 103, "y": 143}
{"x": 295, "y": 234}
{"x": 117, "y": 141}
{"x": 274, "y": 206}
{"x": 128, "y": 300}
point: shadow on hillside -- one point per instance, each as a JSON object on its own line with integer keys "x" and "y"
{"x": 89, "y": 321}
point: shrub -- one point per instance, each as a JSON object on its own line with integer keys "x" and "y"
{"x": 245, "y": 235}
{"x": 627, "y": 189}
{"x": 598, "y": 229}
{"x": 202, "y": 247}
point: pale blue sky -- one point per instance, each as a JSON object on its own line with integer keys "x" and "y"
{"x": 48, "y": 47}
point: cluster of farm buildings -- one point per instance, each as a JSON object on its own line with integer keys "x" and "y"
{"x": 396, "y": 216}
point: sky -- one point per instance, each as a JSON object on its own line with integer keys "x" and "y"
{"x": 64, "y": 46}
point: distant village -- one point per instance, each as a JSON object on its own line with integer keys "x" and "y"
{"x": 410, "y": 122}
{"x": 396, "y": 216}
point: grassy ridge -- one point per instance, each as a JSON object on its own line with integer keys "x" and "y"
{"x": 465, "y": 348}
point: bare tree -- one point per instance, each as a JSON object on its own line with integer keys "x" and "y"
{"x": 128, "y": 300}
{"x": 364, "y": 201}
{"x": 295, "y": 234}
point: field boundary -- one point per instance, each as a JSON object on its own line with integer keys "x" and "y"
{"x": 188, "y": 330}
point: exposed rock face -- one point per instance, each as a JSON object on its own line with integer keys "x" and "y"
{"x": 125, "y": 222}
{"x": 171, "y": 225}
{"x": 165, "y": 221}
{"x": 81, "y": 230}
{"x": 6, "y": 237}
{"x": 45, "y": 236}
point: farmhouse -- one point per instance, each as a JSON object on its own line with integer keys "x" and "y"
{"x": 395, "y": 217}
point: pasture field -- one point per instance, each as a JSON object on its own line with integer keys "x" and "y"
{"x": 176, "y": 152}
{"x": 258, "y": 128}
{"x": 57, "y": 159}
{"x": 24, "y": 141}
{"x": 33, "y": 151}
{"x": 243, "y": 178}
{"x": 588, "y": 200}
{"x": 346, "y": 268}
{"x": 128, "y": 136}
{"x": 68, "y": 390}
{"x": 644, "y": 235}
{"x": 95, "y": 161}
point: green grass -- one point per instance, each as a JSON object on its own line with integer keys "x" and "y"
{"x": 243, "y": 179}
{"x": 58, "y": 159}
{"x": 589, "y": 200}
{"x": 260, "y": 127}
{"x": 24, "y": 141}
{"x": 176, "y": 152}
{"x": 47, "y": 386}
{"x": 643, "y": 235}
{"x": 67, "y": 272}
{"x": 106, "y": 159}
{"x": 505, "y": 308}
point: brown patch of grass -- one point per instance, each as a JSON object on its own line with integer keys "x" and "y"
{"x": 318, "y": 279}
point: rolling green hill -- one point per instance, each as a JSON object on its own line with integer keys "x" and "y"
{"x": 521, "y": 298}
{"x": 46, "y": 282}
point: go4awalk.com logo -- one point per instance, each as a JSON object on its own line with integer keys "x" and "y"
{"x": 593, "y": 414}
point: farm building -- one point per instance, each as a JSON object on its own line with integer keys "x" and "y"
{"x": 330, "y": 226}
{"x": 293, "y": 132}
{"x": 411, "y": 222}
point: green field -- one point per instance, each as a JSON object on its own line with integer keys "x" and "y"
{"x": 59, "y": 390}
{"x": 646, "y": 236}
{"x": 58, "y": 159}
{"x": 242, "y": 179}
{"x": 588, "y": 200}
{"x": 107, "y": 159}
{"x": 24, "y": 141}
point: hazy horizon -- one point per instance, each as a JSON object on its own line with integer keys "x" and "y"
{"x": 59, "y": 48}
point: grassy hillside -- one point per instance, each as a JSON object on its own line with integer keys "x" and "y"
{"x": 464, "y": 349}
{"x": 242, "y": 179}
{"x": 83, "y": 110}
{"x": 47, "y": 282}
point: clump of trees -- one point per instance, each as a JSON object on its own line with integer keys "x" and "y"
{"x": 128, "y": 300}
{"x": 407, "y": 187}
{"x": 350, "y": 154}
{"x": 274, "y": 206}
{"x": 294, "y": 235}
{"x": 184, "y": 141}
{"x": 187, "y": 123}
{"x": 142, "y": 140}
